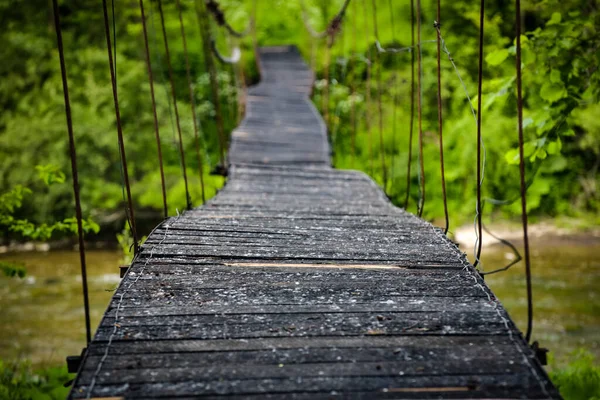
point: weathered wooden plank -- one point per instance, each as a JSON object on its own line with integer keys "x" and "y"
{"x": 469, "y": 386}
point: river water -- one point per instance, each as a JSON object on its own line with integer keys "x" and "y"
{"x": 41, "y": 316}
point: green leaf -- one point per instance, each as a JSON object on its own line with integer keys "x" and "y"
{"x": 555, "y": 76}
{"x": 497, "y": 57}
{"x": 555, "y": 19}
{"x": 512, "y": 156}
{"x": 552, "y": 92}
{"x": 554, "y": 147}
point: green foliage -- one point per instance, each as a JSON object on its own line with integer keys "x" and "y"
{"x": 12, "y": 200}
{"x": 560, "y": 75}
{"x": 580, "y": 379}
{"x": 561, "y": 89}
{"x": 18, "y": 381}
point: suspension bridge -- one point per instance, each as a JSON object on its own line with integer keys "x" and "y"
{"x": 297, "y": 280}
{"x": 300, "y": 281}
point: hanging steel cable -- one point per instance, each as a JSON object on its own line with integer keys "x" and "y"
{"x": 421, "y": 204}
{"x": 353, "y": 119}
{"x": 478, "y": 209}
{"x": 437, "y": 24}
{"x": 522, "y": 171}
{"x": 174, "y": 95}
{"x": 192, "y": 100}
{"x": 74, "y": 171}
{"x": 412, "y": 102}
{"x": 154, "y": 113}
{"x": 379, "y": 67}
{"x": 204, "y": 24}
{"x": 368, "y": 89}
{"x": 129, "y": 210}
{"x": 395, "y": 97}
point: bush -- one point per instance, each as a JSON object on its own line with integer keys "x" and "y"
{"x": 18, "y": 381}
{"x": 580, "y": 379}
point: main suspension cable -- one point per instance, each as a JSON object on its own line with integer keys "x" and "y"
{"x": 174, "y": 95}
{"x": 74, "y": 170}
{"x": 154, "y": 113}
{"x": 129, "y": 211}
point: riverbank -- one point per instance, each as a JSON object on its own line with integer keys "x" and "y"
{"x": 544, "y": 232}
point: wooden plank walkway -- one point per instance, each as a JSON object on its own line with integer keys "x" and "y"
{"x": 300, "y": 281}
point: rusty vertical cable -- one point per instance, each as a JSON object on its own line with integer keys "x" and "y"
{"x": 325, "y": 100}
{"x": 479, "y": 96}
{"x": 395, "y": 106}
{"x": 420, "y": 111}
{"x": 155, "y": 116}
{"x": 130, "y": 212}
{"x": 440, "y": 121}
{"x": 522, "y": 174}
{"x": 412, "y": 100}
{"x": 353, "y": 118}
{"x": 174, "y": 95}
{"x": 255, "y": 35}
{"x": 192, "y": 100}
{"x": 73, "y": 153}
{"x": 377, "y": 61}
{"x": 204, "y": 22}
{"x": 368, "y": 90}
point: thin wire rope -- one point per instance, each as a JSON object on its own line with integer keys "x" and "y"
{"x": 395, "y": 98}
{"x": 129, "y": 212}
{"x": 398, "y": 50}
{"x": 163, "y": 82}
{"x": 421, "y": 203}
{"x": 440, "y": 120}
{"x": 132, "y": 282}
{"x": 192, "y": 100}
{"x": 74, "y": 171}
{"x": 354, "y": 120}
{"x": 522, "y": 172}
{"x": 205, "y": 33}
{"x": 154, "y": 113}
{"x": 326, "y": 93}
{"x": 412, "y": 102}
{"x": 368, "y": 90}
{"x": 479, "y": 214}
{"x": 377, "y": 61}
{"x": 114, "y": 50}
{"x": 527, "y": 359}
{"x": 174, "y": 95}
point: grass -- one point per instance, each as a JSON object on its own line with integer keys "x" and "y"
{"x": 18, "y": 381}
{"x": 580, "y": 379}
